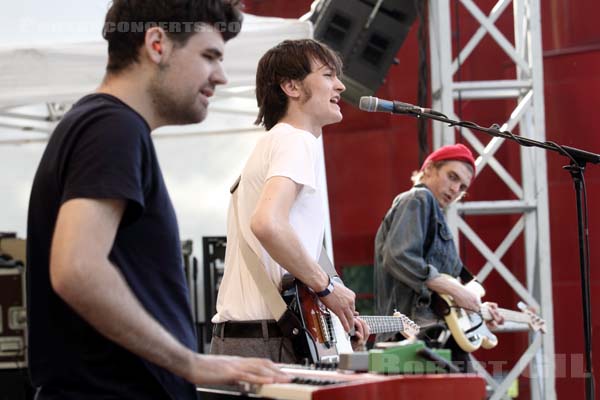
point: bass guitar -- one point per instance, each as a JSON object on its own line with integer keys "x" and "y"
{"x": 323, "y": 337}
{"x": 469, "y": 329}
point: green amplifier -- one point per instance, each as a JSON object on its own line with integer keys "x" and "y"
{"x": 410, "y": 358}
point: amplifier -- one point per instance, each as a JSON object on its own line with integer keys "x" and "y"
{"x": 13, "y": 317}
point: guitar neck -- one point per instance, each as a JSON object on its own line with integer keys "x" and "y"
{"x": 509, "y": 315}
{"x": 383, "y": 324}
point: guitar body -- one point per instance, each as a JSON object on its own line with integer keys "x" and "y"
{"x": 323, "y": 337}
{"x": 317, "y": 342}
{"x": 468, "y": 328}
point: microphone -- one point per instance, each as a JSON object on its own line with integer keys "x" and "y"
{"x": 373, "y": 104}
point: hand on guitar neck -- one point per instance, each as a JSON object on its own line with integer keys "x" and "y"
{"x": 494, "y": 311}
{"x": 361, "y": 334}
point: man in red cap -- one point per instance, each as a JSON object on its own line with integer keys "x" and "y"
{"x": 414, "y": 244}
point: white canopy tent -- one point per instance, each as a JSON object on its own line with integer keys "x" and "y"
{"x": 41, "y": 72}
{"x": 56, "y": 56}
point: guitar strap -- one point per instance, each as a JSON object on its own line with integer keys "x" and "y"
{"x": 326, "y": 264}
{"x": 286, "y": 319}
{"x": 466, "y": 275}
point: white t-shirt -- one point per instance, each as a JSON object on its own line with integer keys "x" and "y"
{"x": 283, "y": 151}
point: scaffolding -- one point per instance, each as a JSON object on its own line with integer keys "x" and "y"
{"x": 532, "y": 194}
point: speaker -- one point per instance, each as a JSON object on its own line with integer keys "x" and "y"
{"x": 367, "y": 34}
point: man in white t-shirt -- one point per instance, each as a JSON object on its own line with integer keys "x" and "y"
{"x": 280, "y": 206}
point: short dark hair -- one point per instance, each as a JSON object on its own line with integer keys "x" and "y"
{"x": 127, "y": 21}
{"x": 289, "y": 60}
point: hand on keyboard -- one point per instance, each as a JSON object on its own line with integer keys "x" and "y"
{"x": 215, "y": 370}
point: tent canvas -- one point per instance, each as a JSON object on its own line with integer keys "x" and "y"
{"x": 34, "y": 73}
{"x": 199, "y": 161}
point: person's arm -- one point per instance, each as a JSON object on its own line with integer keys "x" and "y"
{"x": 402, "y": 249}
{"x": 462, "y": 296}
{"x": 82, "y": 275}
{"x": 465, "y": 298}
{"x": 270, "y": 224}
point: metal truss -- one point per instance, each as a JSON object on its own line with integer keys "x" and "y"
{"x": 39, "y": 118}
{"x": 532, "y": 194}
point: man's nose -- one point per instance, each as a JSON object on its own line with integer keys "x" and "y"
{"x": 340, "y": 87}
{"x": 218, "y": 76}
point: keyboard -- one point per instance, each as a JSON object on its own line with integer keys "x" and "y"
{"x": 323, "y": 384}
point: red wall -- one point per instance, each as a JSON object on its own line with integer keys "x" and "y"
{"x": 571, "y": 40}
{"x": 370, "y": 157}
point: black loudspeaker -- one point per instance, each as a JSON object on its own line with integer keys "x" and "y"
{"x": 367, "y": 34}
{"x": 213, "y": 250}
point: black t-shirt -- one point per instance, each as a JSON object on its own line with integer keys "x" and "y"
{"x": 102, "y": 149}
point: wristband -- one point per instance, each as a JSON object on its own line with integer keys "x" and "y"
{"x": 327, "y": 290}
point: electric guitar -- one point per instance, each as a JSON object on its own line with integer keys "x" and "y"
{"x": 469, "y": 328}
{"x": 323, "y": 337}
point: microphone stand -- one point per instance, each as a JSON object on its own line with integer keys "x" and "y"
{"x": 577, "y": 163}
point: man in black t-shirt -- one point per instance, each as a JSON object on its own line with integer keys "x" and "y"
{"x": 108, "y": 306}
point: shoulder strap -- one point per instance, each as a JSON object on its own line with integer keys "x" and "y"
{"x": 466, "y": 275}
{"x": 272, "y": 297}
{"x": 326, "y": 264}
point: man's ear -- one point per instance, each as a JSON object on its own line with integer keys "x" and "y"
{"x": 156, "y": 44}
{"x": 291, "y": 88}
{"x": 427, "y": 169}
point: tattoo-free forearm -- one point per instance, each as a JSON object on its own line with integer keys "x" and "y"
{"x": 101, "y": 296}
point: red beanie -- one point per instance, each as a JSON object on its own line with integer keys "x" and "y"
{"x": 458, "y": 152}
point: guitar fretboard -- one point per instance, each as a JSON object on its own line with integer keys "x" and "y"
{"x": 509, "y": 315}
{"x": 385, "y": 324}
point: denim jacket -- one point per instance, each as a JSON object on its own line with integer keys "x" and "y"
{"x": 413, "y": 244}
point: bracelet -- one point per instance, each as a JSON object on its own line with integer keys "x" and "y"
{"x": 327, "y": 290}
